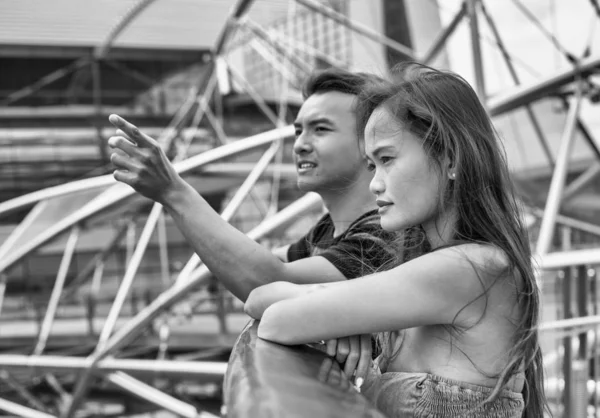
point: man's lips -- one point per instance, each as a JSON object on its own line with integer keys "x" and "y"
{"x": 383, "y": 203}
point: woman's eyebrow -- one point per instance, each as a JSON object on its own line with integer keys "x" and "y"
{"x": 378, "y": 149}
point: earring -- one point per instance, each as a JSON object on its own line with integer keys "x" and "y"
{"x": 453, "y": 175}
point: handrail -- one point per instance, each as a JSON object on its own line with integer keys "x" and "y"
{"x": 209, "y": 371}
{"x": 580, "y": 324}
{"x": 265, "y": 379}
{"x": 562, "y": 259}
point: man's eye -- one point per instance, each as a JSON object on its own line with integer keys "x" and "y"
{"x": 298, "y": 132}
{"x": 370, "y": 167}
{"x": 385, "y": 159}
{"x": 321, "y": 129}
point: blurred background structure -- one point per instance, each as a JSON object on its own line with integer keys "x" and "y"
{"x": 104, "y": 310}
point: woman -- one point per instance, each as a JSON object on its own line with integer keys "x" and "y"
{"x": 458, "y": 322}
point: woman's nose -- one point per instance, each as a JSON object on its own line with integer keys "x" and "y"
{"x": 376, "y": 186}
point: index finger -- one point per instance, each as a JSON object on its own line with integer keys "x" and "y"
{"x": 354, "y": 356}
{"x": 365, "y": 359}
{"x": 132, "y": 131}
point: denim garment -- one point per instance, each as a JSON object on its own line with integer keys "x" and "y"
{"x": 424, "y": 395}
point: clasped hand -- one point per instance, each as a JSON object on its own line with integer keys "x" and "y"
{"x": 353, "y": 353}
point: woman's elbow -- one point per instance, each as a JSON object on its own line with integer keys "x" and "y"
{"x": 270, "y": 327}
{"x": 252, "y": 306}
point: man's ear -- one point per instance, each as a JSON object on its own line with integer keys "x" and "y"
{"x": 361, "y": 146}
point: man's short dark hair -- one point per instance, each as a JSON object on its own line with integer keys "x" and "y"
{"x": 335, "y": 79}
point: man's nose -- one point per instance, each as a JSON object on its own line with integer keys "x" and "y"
{"x": 302, "y": 145}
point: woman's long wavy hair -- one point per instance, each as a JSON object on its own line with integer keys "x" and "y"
{"x": 442, "y": 109}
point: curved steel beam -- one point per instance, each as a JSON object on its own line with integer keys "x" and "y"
{"x": 236, "y": 200}
{"x": 237, "y": 11}
{"x": 136, "y": 325}
{"x": 133, "y": 327}
{"x": 120, "y": 192}
{"x": 101, "y": 51}
{"x": 29, "y": 199}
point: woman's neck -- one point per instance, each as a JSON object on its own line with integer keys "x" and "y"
{"x": 439, "y": 231}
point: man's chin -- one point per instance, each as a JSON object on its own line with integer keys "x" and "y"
{"x": 306, "y": 186}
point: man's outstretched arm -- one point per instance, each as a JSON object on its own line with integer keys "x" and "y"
{"x": 240, "y": 263}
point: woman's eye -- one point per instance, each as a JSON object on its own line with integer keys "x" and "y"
{"x": 370, "y": 167}
{"x": 298, "y": 132}
{"x": 321, "y": 129}
{"x": 385, "y": 159}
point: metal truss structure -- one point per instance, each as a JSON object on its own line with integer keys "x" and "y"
{"x": 108, "y": 361}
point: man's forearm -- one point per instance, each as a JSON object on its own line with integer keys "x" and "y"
{"x": 240, "y": 263}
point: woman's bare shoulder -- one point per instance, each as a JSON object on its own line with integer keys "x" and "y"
{"x": 486, "y": 258}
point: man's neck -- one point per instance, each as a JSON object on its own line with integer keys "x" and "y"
{"x": 345, "y": 208}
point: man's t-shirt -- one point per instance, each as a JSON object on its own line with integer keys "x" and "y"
{"x": 362, "y": 249}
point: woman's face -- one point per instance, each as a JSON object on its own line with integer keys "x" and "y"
{"x": 406, "y": 183}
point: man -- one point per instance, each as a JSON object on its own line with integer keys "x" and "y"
{"x": 346, "y": 243}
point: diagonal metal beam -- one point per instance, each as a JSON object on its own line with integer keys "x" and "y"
{"x": 119, "y": 192}
{"x": 163, "y": 248}
{"x": 234, "y": 204}
{"x": 358, "y": 28}
{"x": 59, "y": 283}
{"x": 582, "y": 181}
{"x": 529, "y": 93}
{"x": 476, "y": 49}
{"x": 238, "y": 10}
{"x": 22, "y": 411}
{"x": 558, "y": 177}
{"x": 442, "y": 38}
{"x": 132, "y": 328}
{"x": 29, "y": 199}
{"x": 513, "y": 73}
{"x": 274, "y": 43}
{"x": 44, "y": 81}
{"x": 573, "y": 223}
{"x": 309, "y": 50}
{"x": 152, "y": 395}
{"x": 585, "y": 132}
{"x": 260, "y": 46}
{"x": 130, "y": 274}
{"x": 21, "y": 390}
{"x": 131, "y": 73}
{"x": 3, "y": 279}
{"x": 260, "y": 102}
{"x": 87, "y": 271}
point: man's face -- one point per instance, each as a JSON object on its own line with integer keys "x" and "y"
{"x": 326, "y": 150}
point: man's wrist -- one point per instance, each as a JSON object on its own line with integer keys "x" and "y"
{"x": 176, "y": 194}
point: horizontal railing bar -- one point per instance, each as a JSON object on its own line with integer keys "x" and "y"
{"x": 210, "y": 369}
